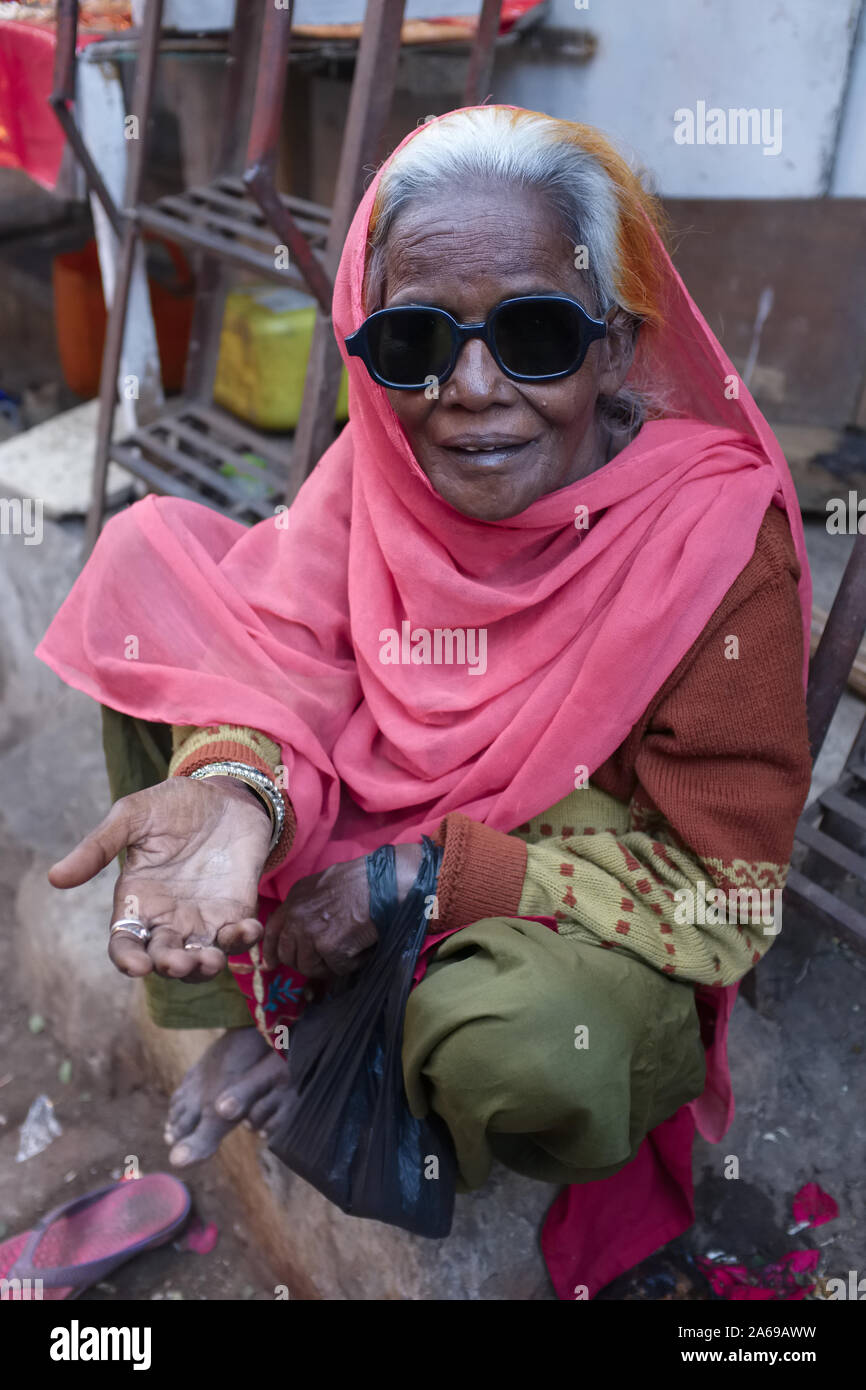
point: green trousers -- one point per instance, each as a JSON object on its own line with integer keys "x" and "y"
{"x": 553, "y": 1056}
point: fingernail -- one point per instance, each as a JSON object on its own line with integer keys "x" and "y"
{"x": 229, "y": 1107}
{"x": 180, "y": 1155}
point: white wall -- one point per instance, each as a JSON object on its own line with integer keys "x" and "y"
{"x": 656, "y": 56}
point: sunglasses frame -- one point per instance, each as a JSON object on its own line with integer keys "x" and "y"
{"x": 358, "y": 345}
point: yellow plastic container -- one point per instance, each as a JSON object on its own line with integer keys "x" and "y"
{"x": 265, "y": 343}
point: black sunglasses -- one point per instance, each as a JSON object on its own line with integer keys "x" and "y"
{"x": 537, "y": 337}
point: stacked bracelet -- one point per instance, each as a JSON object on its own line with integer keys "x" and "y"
{"x": 258, "y": 782}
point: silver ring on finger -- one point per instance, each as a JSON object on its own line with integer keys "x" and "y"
{"x": 131, "y": 926}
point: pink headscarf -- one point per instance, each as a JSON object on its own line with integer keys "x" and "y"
{"x": 278, "y": 626}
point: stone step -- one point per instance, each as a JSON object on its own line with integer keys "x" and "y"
{"x": 53, "y": 463}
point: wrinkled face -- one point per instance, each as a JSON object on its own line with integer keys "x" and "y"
{"x": 465, "y": 252}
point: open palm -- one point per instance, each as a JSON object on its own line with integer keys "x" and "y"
{"x": 195, "y": 851}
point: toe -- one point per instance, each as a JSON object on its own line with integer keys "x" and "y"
{"x": 203, "y": 1141}
{"x": 227, "y": 1072}
{"x": 189, "y": 1090}
{"x": 261, "y": 1112}
{"x": 183, "y": 1116}
{"x": 267, "y": 1075}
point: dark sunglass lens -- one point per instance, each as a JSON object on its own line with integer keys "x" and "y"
{"x": 409, "y": 345}
{"x": 539, "y": 337}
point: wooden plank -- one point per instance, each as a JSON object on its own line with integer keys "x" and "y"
{"x": 458, "y": 32}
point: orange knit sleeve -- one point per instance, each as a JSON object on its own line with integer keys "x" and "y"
{"x": 195, "y": 748}
{"x": 482, "y": 872}
{"x": 725, "y": 757}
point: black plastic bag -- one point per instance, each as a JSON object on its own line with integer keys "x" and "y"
{"x": 348, "y": 1129}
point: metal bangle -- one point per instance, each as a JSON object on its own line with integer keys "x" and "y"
{"x": 241, "y": 772}
{"x": 259, "y": 782}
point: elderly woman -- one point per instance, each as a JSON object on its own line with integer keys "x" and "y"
{"x": 544, "y": 600}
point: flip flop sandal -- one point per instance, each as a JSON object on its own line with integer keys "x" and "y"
{"x": 81, "y": 1242}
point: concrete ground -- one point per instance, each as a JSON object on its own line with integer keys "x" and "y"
{"x": 67, "y": 1028}
{"x": 796, "y": 1061}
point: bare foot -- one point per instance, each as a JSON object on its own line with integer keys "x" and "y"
{"x": 240, "y": 1077}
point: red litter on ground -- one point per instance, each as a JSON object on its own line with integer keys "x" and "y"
{"x": 814, "y": 1206}
{"x": 780, "y": 1280}
{"x": 199, "y": 1238}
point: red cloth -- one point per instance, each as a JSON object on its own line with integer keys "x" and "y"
{"x": 595, "y": 1231}
{"x": 515, "y": 10}
{"x": 31, "y": 137}
{"x": 512, "y": 13}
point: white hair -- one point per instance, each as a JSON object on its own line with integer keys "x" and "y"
{"x": 524, "y": 150}
{"x": 487, "y": 142}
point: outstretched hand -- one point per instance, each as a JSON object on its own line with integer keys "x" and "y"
{"x": 195, "y": 851}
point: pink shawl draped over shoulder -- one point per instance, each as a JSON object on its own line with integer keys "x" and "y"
{"x": 280, "y": 627}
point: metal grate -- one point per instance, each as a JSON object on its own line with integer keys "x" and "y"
{"x": 834, "y": 879}
{"x": 220, "y": 218}
{"x": 201, "y": 453}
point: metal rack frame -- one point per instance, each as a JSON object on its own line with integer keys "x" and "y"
{"x": 239, "y": 218}
{"x": 833, "y": 826}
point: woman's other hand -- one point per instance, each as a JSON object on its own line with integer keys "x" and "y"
{"x": 324, "y": 925}
{"x": 195, "y": 851}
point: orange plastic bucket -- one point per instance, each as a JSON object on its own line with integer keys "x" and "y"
{"x": 80, "y": 317}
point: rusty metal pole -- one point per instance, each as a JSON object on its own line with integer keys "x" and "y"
{"x": 477, "y": 87}
{"x": 370, "y": 103}
{"x": 259, "y": 177}
{"x": 837, "y": 649}
{"x": 210, "y": 281}
{"x": 61, "y": 100}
